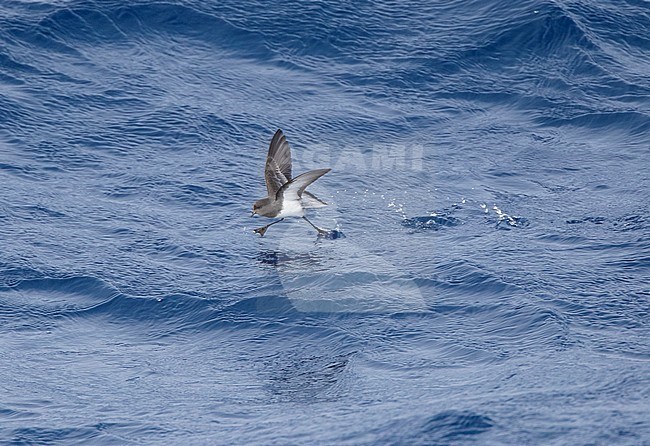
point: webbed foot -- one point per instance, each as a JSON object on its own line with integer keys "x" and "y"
{"x": 261, "y": 231}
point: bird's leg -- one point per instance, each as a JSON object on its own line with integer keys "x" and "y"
{"x": 261, "y": 231}
{"x": 320, "y": 231}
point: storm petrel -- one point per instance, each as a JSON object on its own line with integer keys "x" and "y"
{"x": 287, "y": 196}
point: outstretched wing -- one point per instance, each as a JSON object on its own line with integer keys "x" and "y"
{"x": 278, "y": 164}
{"x": 294, "y": 188}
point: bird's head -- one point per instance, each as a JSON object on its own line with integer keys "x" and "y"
{"x": 257, "y": 206}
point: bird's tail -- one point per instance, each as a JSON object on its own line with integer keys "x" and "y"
{"x": 311, "y": 201}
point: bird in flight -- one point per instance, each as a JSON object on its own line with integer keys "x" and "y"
{"x": 287, "y": 196}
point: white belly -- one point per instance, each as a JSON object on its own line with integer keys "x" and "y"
{"x": 291, "y": 208}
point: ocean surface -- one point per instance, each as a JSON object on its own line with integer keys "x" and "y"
{"x": 489, "y": 281}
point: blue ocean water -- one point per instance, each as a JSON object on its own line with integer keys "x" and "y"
{"x": 490, "y": 175}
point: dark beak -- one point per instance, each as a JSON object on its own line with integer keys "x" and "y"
{"x": 252, "y": 213}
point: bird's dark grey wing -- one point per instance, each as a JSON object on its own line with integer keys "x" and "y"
{"x": 278, "y": 164}
{"x": 293, "y": 189}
